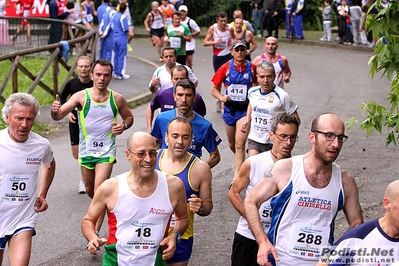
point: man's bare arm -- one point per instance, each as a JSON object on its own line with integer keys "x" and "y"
{"x": 240, "y": 182}
{"x": 214, "y": 158}
{"x": 352, "y": 208}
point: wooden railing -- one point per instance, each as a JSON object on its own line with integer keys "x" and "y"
{"x": 84, "y": 44}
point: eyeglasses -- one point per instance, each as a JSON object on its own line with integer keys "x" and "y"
{"x": 331, "y": 136}
{"x": 240, "y": 49}
{"x": 283, "y": 137}
{"x": 142, "y": 154}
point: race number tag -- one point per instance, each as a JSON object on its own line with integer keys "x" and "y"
{"x": 89, "y": 17}
{"x": 175, "y": 42}
{"x": 222, "y": 45}
{"x": 16, "y": 188}
{"x": 172, "y": 221}
{"x": 26, "y": 13}
{"x": 262, "y": 121}
{"x": 306, "y": 240}
{"x": 96, "y": 146}
{"x": 237, "y": 92}
{"x": 168, "y": 21}
{"x": 141, "y": 235}
{"x": 265, "y": 212}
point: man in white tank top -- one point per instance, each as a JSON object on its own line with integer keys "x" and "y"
{"x": 137, "y": 235}
{"x": 280, "y": 62}
{"x": 97, "y": 108}
{"x": 220, "y": 36}
{"x": 284, "y": 134}
{"x": 308, "y": 191}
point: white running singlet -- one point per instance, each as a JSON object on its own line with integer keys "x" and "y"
{"x": 260, "y": 164}
{"x": 303, "y": 216}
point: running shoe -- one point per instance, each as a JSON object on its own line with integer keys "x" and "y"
{"x": 129, "y": 48}
{"x": 82, "y": 188}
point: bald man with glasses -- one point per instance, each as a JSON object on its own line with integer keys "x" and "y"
{"x": 308, "y": 191}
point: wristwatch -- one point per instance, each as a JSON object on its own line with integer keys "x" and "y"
{"x": 178, "y": 238}
{"x": 125, "y": 125}
{"x": 201, "y": 210}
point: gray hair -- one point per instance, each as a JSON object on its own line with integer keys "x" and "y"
{"x": 283, "y": 118}
{"x": 266, "y": 66}
{"x": 22, "y": 98}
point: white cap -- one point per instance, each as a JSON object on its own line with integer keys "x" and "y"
{"x": 183, "y": 8}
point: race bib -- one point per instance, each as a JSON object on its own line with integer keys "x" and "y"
{"x": 175, "y": 42}
{"x": 172, "y": 221}
{"x": 265, "y": 212}
{"x": 307, "y": 240}
{"x": 168, "y": 21}
{"x": 141, "y": 235}
{"x": 237, "y": 92}
{"x": 97, "y": 146}
{"x": 89, "y": 17}
{"x": 16, "y": 188}
{"x": 26, "y": 13}
{"x": 222, "y": 45}
{"x": 262, "y": 121}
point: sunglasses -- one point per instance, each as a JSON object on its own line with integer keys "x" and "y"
{"x": 242, "y": 49}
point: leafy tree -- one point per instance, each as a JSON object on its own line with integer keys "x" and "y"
{"x": 386, "y": 59}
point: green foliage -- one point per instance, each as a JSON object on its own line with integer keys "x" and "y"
{"x": 385, "y": 60}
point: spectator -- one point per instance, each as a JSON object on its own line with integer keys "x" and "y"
{"x": 343, "y": 13}
{"x": 298, "y": 11}
{"x": 106, "y": 32}
{"x": 120, "y": 27}
{"x": 355, "y": 13}
{"x": 327, "y": 16}
{"x": 256, "y": 9}
{"x": 288, "y": 19}
{"x": 270, "y": 21}
{"x": 55, "y": 32}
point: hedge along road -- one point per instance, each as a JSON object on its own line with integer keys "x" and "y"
{"x": 324, "y": 79}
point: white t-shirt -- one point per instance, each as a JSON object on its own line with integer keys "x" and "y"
{"x": 19, "y": 179}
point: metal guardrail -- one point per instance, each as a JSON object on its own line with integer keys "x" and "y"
{"x": 38, "y": 46}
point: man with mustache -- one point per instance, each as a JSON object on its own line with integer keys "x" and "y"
{"x": 196, "y": 176}
{"x": 203, "y": 133}
{"x": 308, "y": 191}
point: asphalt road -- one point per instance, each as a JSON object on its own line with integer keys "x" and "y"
{"x": 324, "y": 79}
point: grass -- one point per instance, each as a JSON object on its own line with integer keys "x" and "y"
{"x": 34, "y": 65}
